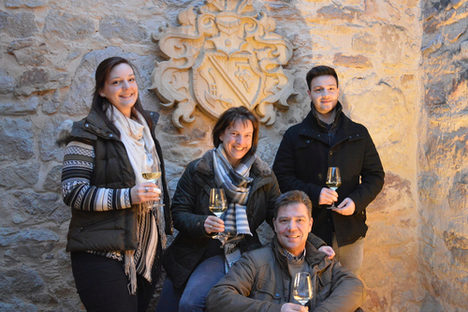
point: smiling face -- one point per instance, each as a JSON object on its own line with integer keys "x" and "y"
{"x": 292, "y": 226}
{"x": 237, "y": 140}
{"x": 120, "y": 88}
{"x": 324, "y": 94}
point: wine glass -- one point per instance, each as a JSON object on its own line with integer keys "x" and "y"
{"x": 153, "y": 176}
{"x": 333, "y": 180}
{"x": 218, "y": 205}
{"x": 302, "y": 287}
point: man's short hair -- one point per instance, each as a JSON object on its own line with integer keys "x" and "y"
{"x": 292, "y": 197}
{"x": 321, "y": 70}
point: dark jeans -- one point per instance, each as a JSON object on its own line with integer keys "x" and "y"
{"x": 193, "y": 296}
{"x": 103, "y": 285}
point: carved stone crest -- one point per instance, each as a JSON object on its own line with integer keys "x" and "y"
{"x": 227, "y": 55}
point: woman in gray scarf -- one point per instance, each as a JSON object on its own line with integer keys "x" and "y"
{"x": 195, "y": 261}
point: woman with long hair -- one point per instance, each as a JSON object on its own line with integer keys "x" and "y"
{"x": 117, "y": 229}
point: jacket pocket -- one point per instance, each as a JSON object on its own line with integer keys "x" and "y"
{"x": 103, "y": 231}
{"x": 265, "y": 290}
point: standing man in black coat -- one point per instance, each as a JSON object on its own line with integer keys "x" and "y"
{"x": 328, "y": 138}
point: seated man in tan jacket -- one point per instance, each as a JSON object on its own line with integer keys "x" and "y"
{"x": 261, "y": 279}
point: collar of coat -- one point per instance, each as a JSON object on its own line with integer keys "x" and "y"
{"x": 313, "y": 257}
{"x": 205, "y": 165}
{"x": 313, "y": 116}
{"x": 346, "y": 129}
{"x": 91, "y": 127}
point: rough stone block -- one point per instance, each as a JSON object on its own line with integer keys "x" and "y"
{"x": 35, "y": 77}
{"x": 29, "y": 244}
{"x": 23, "y": 280}
{"x": 3, "y": 20}
{"x": 16, "y": 139}
{"x": 15, "y": 304}
{"x": 458, "y": 246}
{"x": 51, "y": 103}
{"x": 435, "y": 95}
{"x": 13, "y": 236}
{"x": 45, "y": 207}
{"x": 19, "y": 108}
{"x": 7, "y": 83}
{"x": 119, "y": 27}
{"x": 39, "y": 80}
{"x": 19, "y": 25}
{"x": 19, "y": 175}
{"x": 364, "y": 42}
{"x": 52, "y": 181}
{"x": 33, "y": 56}
{"x": 357, "y": 61}
{"x": 48, "y": 148}
{"x": 464, "y": 48}
{"x": 20, "y": 44}
{"x": 332, "y": 12}
{"x": 67, "y": 26}
{"x": 431, "y": 45}
{"x": 13, "y": 4}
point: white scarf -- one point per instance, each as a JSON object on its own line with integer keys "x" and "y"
{"x": 141, "y": 152}
{"x": 137, "y": 139}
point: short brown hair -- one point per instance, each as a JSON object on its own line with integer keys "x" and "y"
{"x": 318, "y": 71}
{"x": 292, "y": 197}
{"x": 228, "y": 118}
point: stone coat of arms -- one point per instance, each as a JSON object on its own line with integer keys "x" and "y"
{"x": 225, "y": 56}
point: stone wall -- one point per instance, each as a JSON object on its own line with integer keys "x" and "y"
{"x": 443, "y": 158}
{"x": 403, "y": 73}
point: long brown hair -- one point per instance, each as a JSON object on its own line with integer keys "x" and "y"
{"x": 100, "y": 104}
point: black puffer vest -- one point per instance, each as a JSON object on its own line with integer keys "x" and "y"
{"x": 109, "y": 230}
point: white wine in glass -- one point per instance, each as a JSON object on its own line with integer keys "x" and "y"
{"x": 302, "y": 287}
{"x": 218, "y": 203}
{"x": 153, "y": 178}
{"x": 217, "y": 206}
{"x": 333, "y": 180}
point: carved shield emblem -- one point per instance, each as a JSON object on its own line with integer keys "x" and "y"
{"x": 224, "y": 81}
{"x": 225, "y": 56}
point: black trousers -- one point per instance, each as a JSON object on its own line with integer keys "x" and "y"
{"x": 103, "y": 286}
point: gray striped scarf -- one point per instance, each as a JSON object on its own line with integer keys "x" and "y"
{"x": 236, "y": 184}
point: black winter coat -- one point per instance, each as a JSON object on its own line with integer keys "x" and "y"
{"x": 302, "y": 160}
{"x": 190, "y": 209}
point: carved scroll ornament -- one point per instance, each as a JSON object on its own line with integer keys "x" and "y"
{"x": 225, "y": 56}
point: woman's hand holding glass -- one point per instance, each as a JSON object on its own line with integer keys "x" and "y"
{"x": 145, "y": 192}
{"x": 213, "y": 225}
{"x": 152, "y": 178}
{"x": 217, "y": 205}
